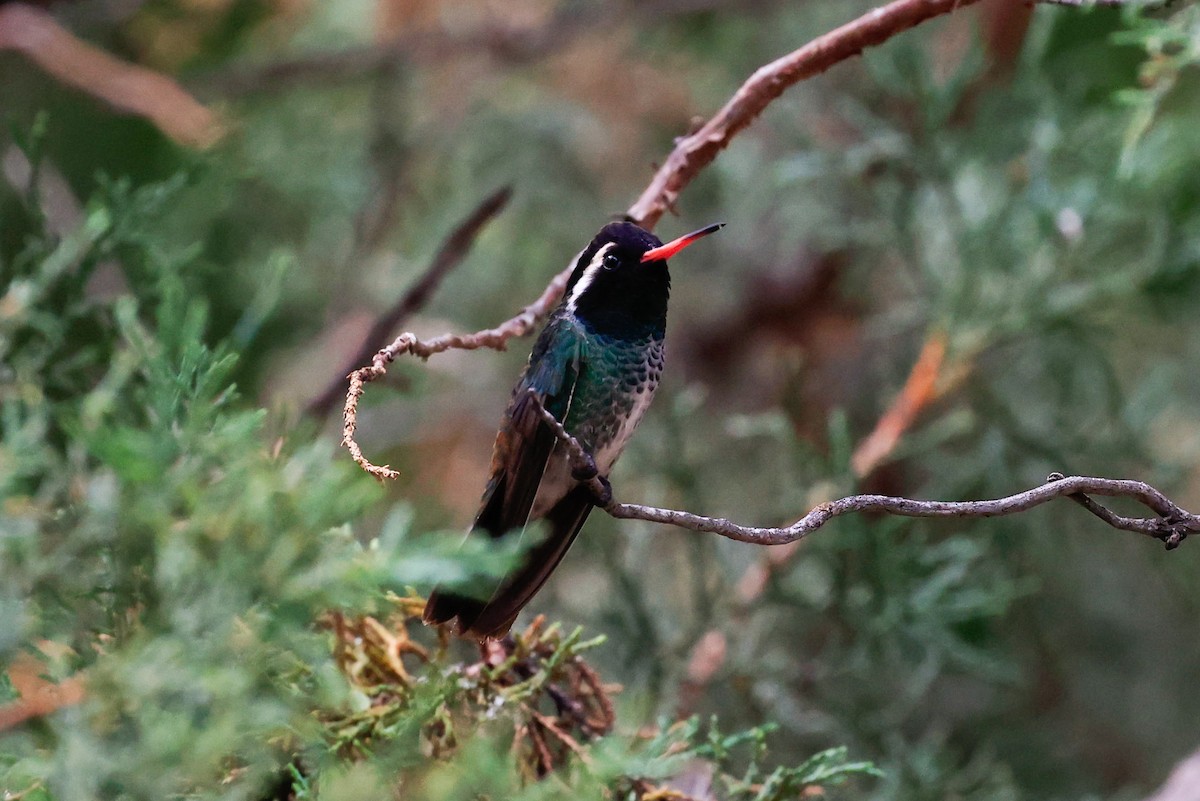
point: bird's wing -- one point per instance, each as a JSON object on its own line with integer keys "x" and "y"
{"x": 525, "y": 442}
{"x": 519, "y": 459}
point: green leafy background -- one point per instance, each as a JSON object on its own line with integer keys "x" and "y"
{"x": 173, "y": 522}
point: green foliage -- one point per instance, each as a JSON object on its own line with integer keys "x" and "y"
{"x": 1172, "y": 47}
{"x": 176, "y": 551}
{"x": 223, "y": 580}
{"x": 758, "y": 782}
{"x": 158, "y": 527}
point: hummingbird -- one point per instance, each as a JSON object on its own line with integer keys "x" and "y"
{"x": 595, "y": 367}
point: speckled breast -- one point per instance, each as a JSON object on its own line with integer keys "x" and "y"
{"x": 614, "y": 390}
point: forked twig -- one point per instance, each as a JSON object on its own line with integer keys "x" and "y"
{"x": 1171, "y": 524}
{"x": 495, "y": 338}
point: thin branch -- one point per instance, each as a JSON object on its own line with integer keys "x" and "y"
{"x": 1171, "y": 525}
{"x": 127, "y": 87}
{"x": 695, "y": 151}
{"x": 495, "y": 338}
{"x": 918, "y": 391}
{"x": 513, "y": 46}
{"x": 451, "y": 253}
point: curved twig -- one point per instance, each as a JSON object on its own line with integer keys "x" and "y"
{"x": 695, "y": 151}
{"x": 1171, "y": 525}
{"x": 495, "y": 338}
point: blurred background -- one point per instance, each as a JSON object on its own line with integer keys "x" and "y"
{"x": 989, "y": 226}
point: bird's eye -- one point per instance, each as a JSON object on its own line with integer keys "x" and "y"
{"x": 611, "y": 262}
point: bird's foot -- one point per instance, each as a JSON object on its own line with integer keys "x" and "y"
{"x": 584, "y": 471}
{"x": 604, "y": 496}
{"x": 584, "y": 468}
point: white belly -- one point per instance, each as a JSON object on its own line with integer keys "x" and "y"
{"x": 557, "y": 480}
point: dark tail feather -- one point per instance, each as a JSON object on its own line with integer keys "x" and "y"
{"x": 491, "y": 619}
{"x": 442, "y": 607}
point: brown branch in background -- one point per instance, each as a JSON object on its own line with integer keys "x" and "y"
{"x": 513, "y": 46}
{"x": 695, "y": 151}
{"x": 453, "y": 250}
{"x": 38, "y": 696}
{"x": 127, "y": 87}
{"x": 918, "y": 391}
{"x": 705, "y": 659}
{"x": 1171, "y": 526}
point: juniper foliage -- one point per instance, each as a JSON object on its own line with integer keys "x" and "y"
{"x": 234, "y": 597}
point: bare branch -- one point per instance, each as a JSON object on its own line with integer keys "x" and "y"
{"x": 495, "y": 338}
{"x": 918, "y": 391}
{"x": 129, "y": 88}
{"x": 1170, "y": 526}
{"x": 453, "y": 250}
{"x": 694, "y": 152}
{"x": 497, "y": 39}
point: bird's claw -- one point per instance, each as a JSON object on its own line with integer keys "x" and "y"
{"x": 584, "y": 471}
{"x": 585, "y": 468}
{"x": 1175, "y": 538}
{"x": 605, "y": 496}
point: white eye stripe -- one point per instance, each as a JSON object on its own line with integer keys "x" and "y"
{"x": 589, "y": 275}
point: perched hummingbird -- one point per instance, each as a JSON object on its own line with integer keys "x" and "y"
{"x": 595, "y": 367}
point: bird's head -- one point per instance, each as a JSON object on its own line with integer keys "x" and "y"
{"x": 620, "y": 284}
